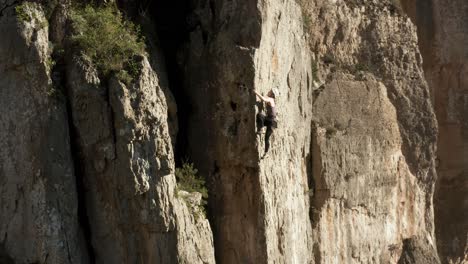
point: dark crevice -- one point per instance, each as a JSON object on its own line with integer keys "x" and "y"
{"x": 83, "y": 219}
{"x": 5, "y": 258}
{"x": 233, "y": 106}
{"x": 173, "y": 28}
{"x": 59, "y": 92}
{"x": 310, "y": 176}
{"x": 212, "y": 9}
{"x": 5, "y": 6}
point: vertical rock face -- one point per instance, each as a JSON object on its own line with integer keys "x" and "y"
{"x": 350, "y": 174}
{"x": 38, "y": 204}
{"x": 123, "y": 154}
{"x": 127, "y": 163}
{"x": 443, "y": 37}
{"x": 282, "y": 60}
{"x": 259, "y": 207}
{"x": 222, "y": 127}
{"x": 374, "y": 136}
{"x": 369, "y": 171}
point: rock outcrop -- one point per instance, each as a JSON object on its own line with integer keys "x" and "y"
{"x": 118, "y": 155}
{"x": 374, "y": 143}
{"x": 38, "y": 199}
{"x": 443, "y": 38}
{"x": 370, "y": 169}
{"x": 127, "y": 166}
{"x": 259, "y": 207}
{"x": 124, "y": 179}
{"x": 87, "y": 163}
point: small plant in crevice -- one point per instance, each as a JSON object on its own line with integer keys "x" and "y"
{"x": 50, "y": 62}
{"x": 49, "y": 7}
{"x": 314, "y": 68}
{"x": 110, "y": 40}
{"x": 22, "y": 13}
{"x": 188, "y": 180}
{"x": 130, "y": 71}
{"x": 29, "y": 12}
{"x": 306, "y": 16}
{"x": 330, "y": 132}
{"x": 307, "y": 20}
{"x": 397, "y": 7}
{"x": 328, "y": 58}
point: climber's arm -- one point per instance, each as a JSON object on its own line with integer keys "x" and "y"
{"x": 265, "y": 99}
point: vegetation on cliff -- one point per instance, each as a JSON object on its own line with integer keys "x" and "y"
{"x": 188, "y": 180}
{"x": 108, "y": 39}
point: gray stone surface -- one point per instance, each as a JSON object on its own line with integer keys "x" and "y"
{"x": 365, "y": 183}
{"x": 374, "y": 143}
{"x": 352, "y": 166}
{"x": 38, "y": 204}
{"x": 259, "y": 207}
{"x": 127, "y": 163}
{"x": 416, "y": 250}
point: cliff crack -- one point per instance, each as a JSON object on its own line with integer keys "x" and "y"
{"x": 83, "y": 219}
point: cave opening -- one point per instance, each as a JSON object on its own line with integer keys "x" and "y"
{"x": 170, "y": 18}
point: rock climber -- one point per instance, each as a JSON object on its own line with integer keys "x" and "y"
{"x": 269, "y": 120}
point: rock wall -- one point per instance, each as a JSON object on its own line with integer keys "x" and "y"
{"x": 87, "y": 169}
{"x": 259, "y": 207}
{"x": 375, "y": 131}
{"x": 118, "y": 155}
{"x": 222, "y": 127}
{"x": 127, "y": 163}
{"x": 443, "y": 38}
{"x": 38, "y": 200}
{"x": 282, "y": 60}
{"x": 370, "y": 168}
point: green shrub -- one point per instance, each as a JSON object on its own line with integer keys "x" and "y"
{"x": 22, "y": 13}
{"x": 49, "y": 7}
{"x": 110, "y": 41}
{"x": 28, "y": 12}
{"x": 189, "y": 181}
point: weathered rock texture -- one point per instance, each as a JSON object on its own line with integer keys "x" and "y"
{"x": 350, "y": 174}
{"x": 127, "y": 165}
{"x": 374, "y": 144}
{"x": 38, "y": 202}
{"x": 370, "y": 169}
{"x": 259, "y": 207}
{"x": 123, "y": 159}
{"x": 443, "y": 38}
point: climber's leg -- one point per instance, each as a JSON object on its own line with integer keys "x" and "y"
{"x": 268, "y": 133}
{"x": 260, "y": 122}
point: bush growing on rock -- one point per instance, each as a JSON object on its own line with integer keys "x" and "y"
{"x": 21, "y": 12}
{"x": 188, "y": 180}
{"x": 107, "y": 38}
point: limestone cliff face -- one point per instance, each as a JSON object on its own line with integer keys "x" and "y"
{"x": 87, "y": 163}
{"x": 38, "y": 201}
{"x": 126, "y": 160}
{"x": 259, "y": 207}
{"x": 375, "y": 133}
{"x": 362, "y": 188}
{"x": 443, "y": 38}
{"x": 122, "y": 153}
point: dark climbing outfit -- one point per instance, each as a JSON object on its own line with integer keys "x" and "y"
{"x": 268, "y": 120}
